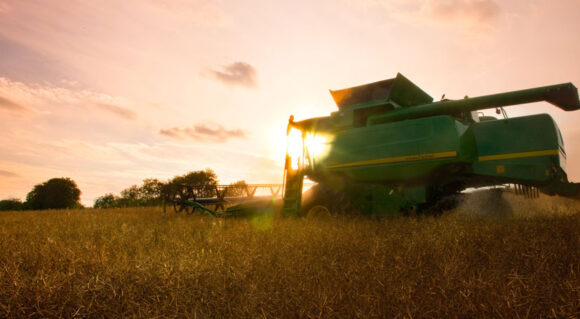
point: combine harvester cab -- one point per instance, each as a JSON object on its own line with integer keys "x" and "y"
{"x": 390, "y": 148}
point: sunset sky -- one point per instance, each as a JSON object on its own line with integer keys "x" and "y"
{"x": 111, "y": 92}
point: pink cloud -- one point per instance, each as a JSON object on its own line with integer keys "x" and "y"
{"x": 465, "y": 16}
{"x": 201, "y": 12}
{"x": 204, "y": 133}
{"x": 237, "y": 73}
{"x": 480, "y": 11}
{"x": 4, "y": 173}
{"x": 47, "y": 98}
{"x": 9, "y": 105}
{"x": 118, "y": 111}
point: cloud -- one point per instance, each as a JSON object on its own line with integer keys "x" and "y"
{"x": 47, "y": 98}
{"x": 237, "y": 73}
{"x": 204, "y": 133}
{"x": 119, "y": 111}
{"x": 201, "y": 12}
{"x": 464, "y": 16}
{"x": 10, "y": 105}
{"x": 7, "y": 174}
{"x": 172, "y": 132}
{"x": 480, "y": 11}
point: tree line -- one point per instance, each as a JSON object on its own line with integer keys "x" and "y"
{"x": 153, "y": 191}
{"x": 62, "y": 193}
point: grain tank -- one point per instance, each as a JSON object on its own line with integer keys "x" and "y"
{"x": 390, "y": 148}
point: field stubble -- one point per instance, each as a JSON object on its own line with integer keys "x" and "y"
{"x": 469, "y": 262}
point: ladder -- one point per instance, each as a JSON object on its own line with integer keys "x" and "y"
{"x": 292, "y": 195}
{"x": 293, "y": 170}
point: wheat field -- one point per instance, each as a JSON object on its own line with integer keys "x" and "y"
{"x": 470, "y": 262}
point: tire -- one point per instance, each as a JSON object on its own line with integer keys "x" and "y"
{"x": 318, "y": 212}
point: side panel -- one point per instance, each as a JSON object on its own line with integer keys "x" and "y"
{"x": 399, "y": 151}
{"x": 520, "y": 150}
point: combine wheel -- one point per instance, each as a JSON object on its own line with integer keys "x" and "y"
{"x": 176, "y": 200}
{"x": 180, "y": 199}
{"x": 410, "y": 210}
{"x": 318, "y": 212}
{"x": 320, "y": 197}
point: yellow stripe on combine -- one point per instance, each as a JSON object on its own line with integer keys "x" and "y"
{"x": 517, "y": 155}
{"x": 398, "y": 159}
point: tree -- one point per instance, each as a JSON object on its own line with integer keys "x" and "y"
{"x": 148, "y": 194}
{"x": 151, "y": 192}
{"x": 131, "y": 193}
{"x": 11, "y": 204}
{"x": 206, "y": 180}
{"x": 129, "y": 197}
{"x": 53, "y": 194}
{"x": 238, "y": 189}
{"x": 106, "y": 201}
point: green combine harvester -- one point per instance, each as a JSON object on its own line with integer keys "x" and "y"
{"x": 390, "y": 148}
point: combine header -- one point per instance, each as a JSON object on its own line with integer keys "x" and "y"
{"x": 389, "y": 148}
{"x": 214, "y": 199}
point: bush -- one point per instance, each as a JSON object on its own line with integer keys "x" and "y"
{"x": 106, "y": 201}
{"x": 11, "y": 204}
{"x": 55, "y": 193}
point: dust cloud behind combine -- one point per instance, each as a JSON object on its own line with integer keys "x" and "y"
{"x": 504, "y": 203}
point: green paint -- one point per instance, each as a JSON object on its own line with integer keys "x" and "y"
{"x": 390, "y": 135}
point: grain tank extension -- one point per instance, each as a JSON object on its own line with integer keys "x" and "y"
{"x": 390, "y": 148}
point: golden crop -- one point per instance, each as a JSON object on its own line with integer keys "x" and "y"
{"x": 140, "y": 263}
